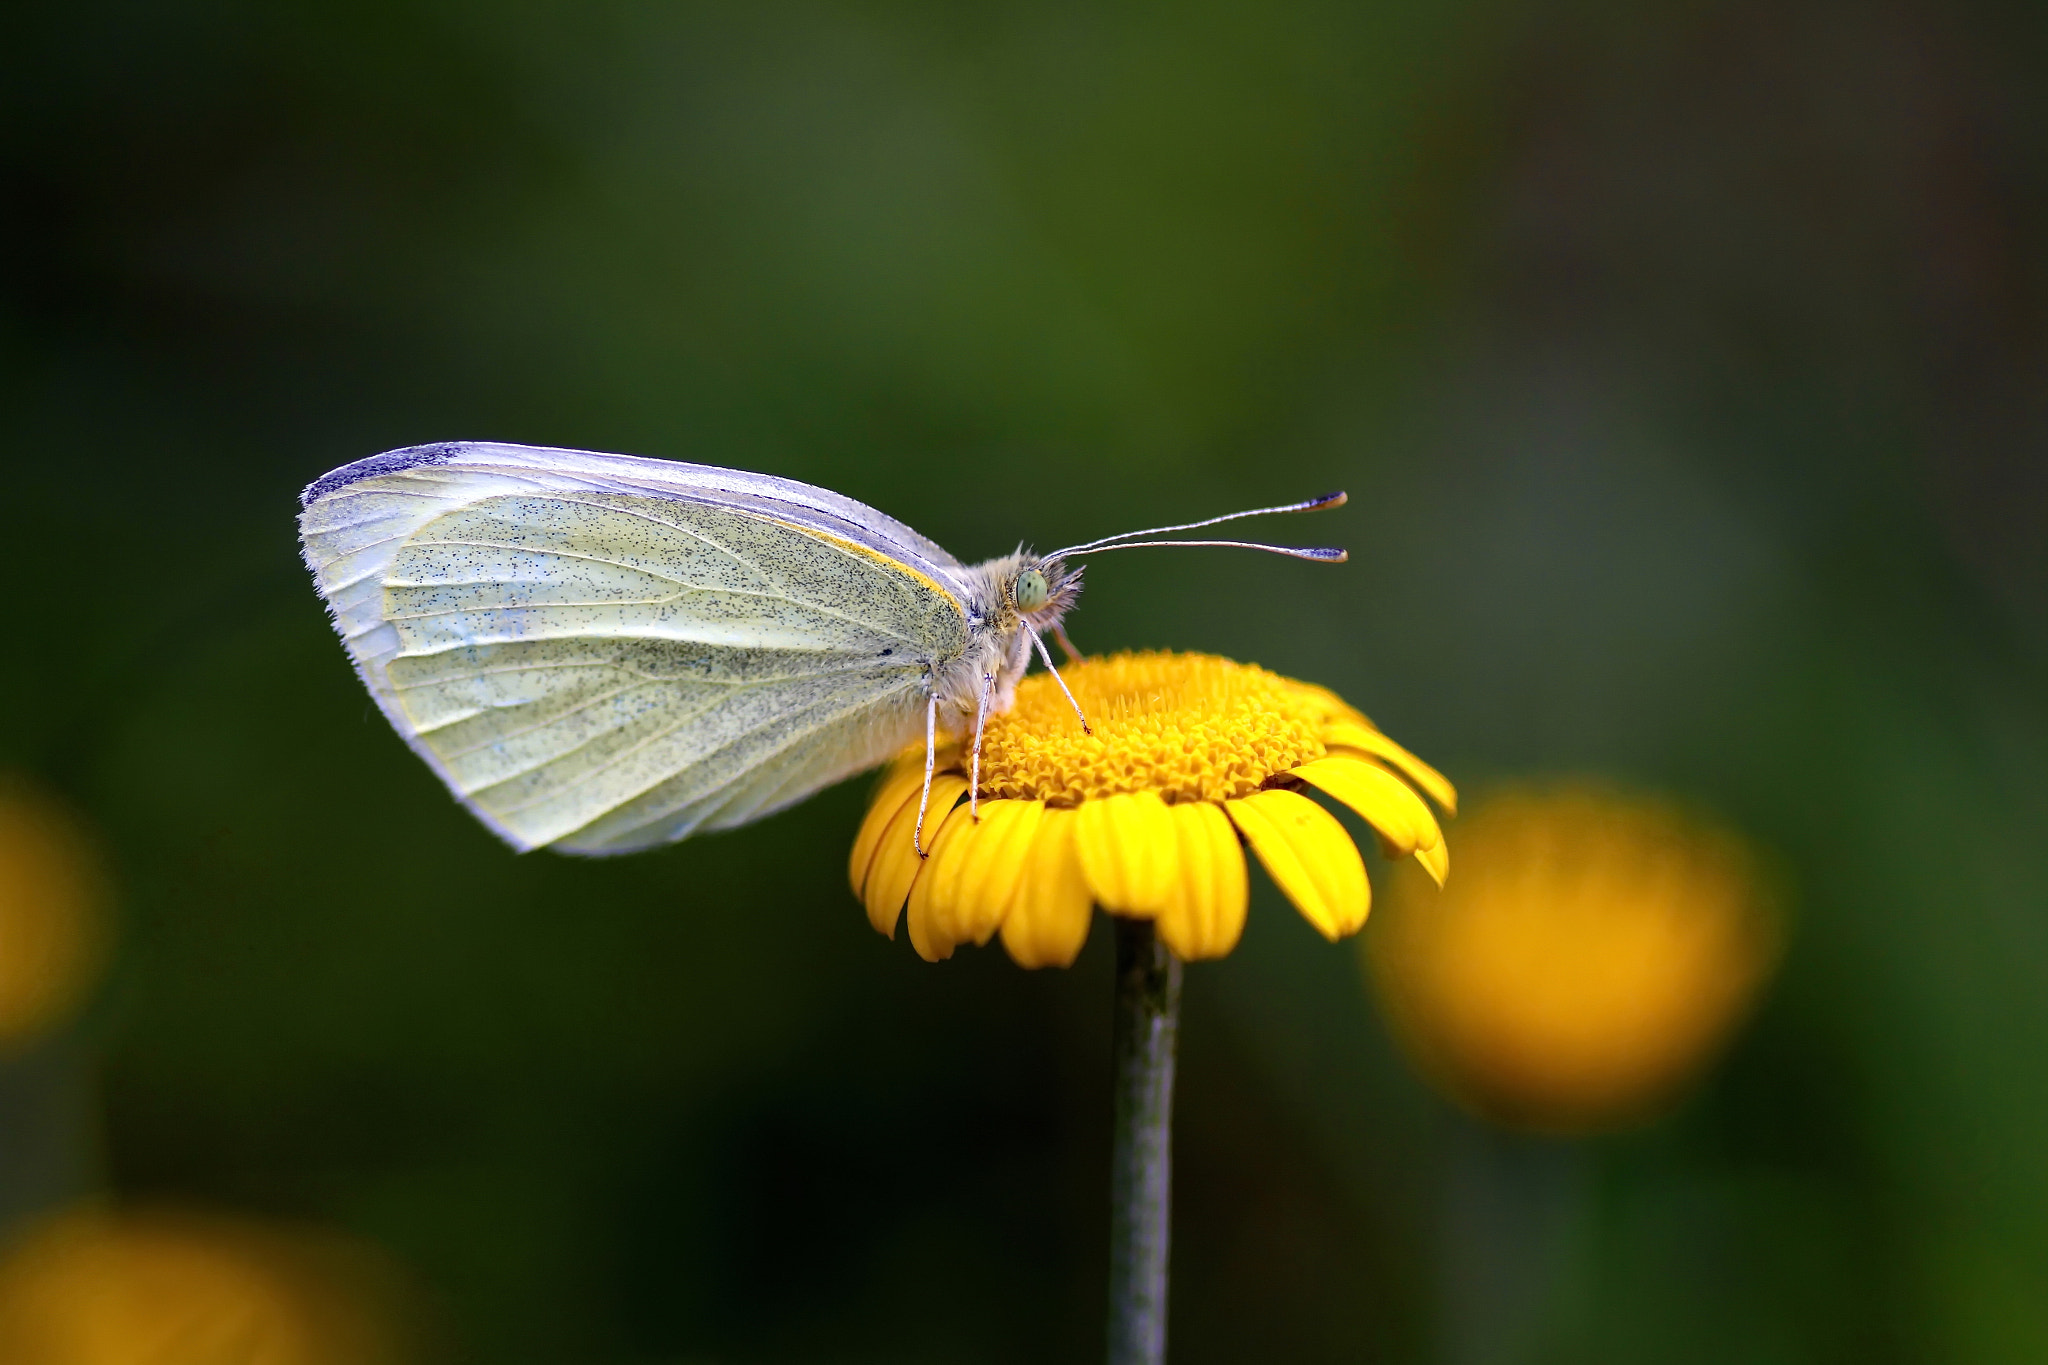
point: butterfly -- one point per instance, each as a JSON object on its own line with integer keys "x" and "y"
{"x": 603, "y": 653}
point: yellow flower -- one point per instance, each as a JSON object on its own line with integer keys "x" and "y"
{"x": 99, "y": 1288}
{"x": 1190, "y": 755}
{"x": 1593, "y": 955}
{"x": 53, "y": 916}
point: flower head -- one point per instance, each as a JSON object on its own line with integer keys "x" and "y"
{"x": 98, "y": 1287}
{"x": 1191, "y": 756}
{"x": 54, "y": 929}
{"x": 1593, "y": 955}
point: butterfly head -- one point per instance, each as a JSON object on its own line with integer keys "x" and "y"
{"x": 1041, "y": 591}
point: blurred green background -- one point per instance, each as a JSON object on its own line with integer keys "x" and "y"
{"x": 1685, "y": 363}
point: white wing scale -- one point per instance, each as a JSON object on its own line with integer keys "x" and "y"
{"x": 602, "y": 653}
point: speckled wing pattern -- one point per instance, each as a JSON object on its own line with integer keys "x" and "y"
{"x": 600, "y": 653}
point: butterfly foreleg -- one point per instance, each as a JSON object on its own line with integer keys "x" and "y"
{"x": 1046, "y": 655}
{"x": 931, "y": 749}
{"x": 988, "y": 688}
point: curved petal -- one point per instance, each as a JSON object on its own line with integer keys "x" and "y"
{"x": 1307, "y": 852}
{"x": 1333, "y": 707}
{"x": 1381, "y": 799}
{"x": 897, "y": 786}
{"x": 896, "y": 864}
{"x": 1345, "y": 735}
{"x": 1048, "y": 920}
{"x": 1205, "y": 915}
{"x": 931, "y": 934}
{"x": 966, "y": 890}
{"x": 1129, "y": 852}
{"x": 1435, "y": 861}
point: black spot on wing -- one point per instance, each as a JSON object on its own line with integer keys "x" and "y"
{"x": 390, "y": 462}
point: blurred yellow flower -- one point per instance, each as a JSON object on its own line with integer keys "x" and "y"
{"x": 171, "y": 1288}
{"x": 54, "y": 929}
{"x": 97, "y": 1288}
{"x": 1190, "y": 754}
{"x": 1594, "y": 953}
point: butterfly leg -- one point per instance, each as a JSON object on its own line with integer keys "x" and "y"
{"x": 988, "y": 688}
{"x": 1059, "y": 632}
{"x": 1046, "y": 655}
{"x": 931, "y": 749}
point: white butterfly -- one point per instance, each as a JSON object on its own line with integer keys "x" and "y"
{"x": 601, "y": 653}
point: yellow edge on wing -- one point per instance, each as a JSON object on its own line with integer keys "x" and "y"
{"x": 877, "y": 556}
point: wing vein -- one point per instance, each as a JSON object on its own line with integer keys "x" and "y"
{"x": 531, "y": 550}
{"x": 726, "y": 782}
{"x": 583, "y": 705}
{"x": 622, "y": 756}
{"x": 850, "y": 666}
{"x": 783, "y": 595}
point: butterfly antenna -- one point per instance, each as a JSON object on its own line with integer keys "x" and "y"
{"x": 1322, "y": 554}
{"x": 1336, "y": 499}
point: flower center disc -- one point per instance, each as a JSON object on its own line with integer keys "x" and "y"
{"x": 1192, "y": 727}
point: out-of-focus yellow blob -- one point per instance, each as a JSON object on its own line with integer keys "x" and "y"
{"x": 169, "y": 1288}
{"x": 54, "y": 929}
{"x": 1591, "y": 955}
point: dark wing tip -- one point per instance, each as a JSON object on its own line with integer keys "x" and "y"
{"x": 370, "y": 467}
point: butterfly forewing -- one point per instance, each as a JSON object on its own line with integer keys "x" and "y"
{"x": 602, "y": 671}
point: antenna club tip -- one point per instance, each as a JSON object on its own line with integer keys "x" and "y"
{"x": 1336, "y": 499}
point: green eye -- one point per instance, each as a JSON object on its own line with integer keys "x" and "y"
{"x": 1030, "y": 591}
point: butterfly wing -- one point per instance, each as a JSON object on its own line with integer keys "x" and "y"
{"x": 600, "y": 653}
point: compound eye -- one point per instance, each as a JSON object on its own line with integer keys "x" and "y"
{"x": 1030, "y": 590}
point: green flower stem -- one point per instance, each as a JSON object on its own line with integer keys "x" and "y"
{"x": 1141, "y": 1162}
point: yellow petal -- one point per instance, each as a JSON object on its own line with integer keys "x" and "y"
{"x": 1129, "y": 852}
{"x": 1308, "y": 853}
{"x": 1048, "y": 919}
{"x": 931, "y": 934}
{"x": 1345, "y": 735}
{"x": 967, "y": 887}
{"x": 1381, "y": 799}
{"x": 1435, "y": 861}
{"x": 896, "y": 864}
{"x": 1205, "y": 915}
{"x": 900, "y": 784}
{"x": 1331, "y": 706}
